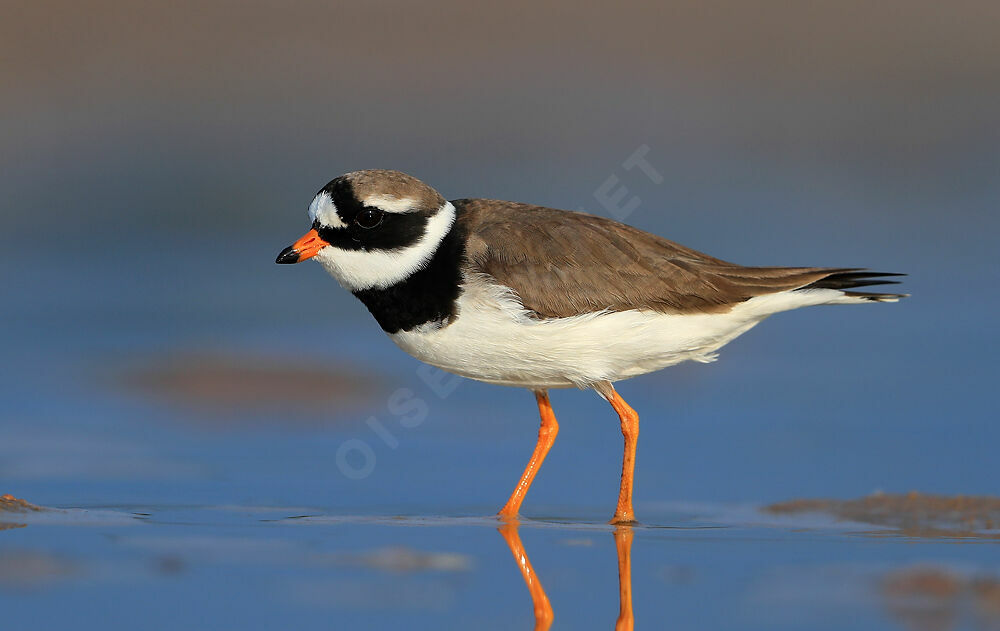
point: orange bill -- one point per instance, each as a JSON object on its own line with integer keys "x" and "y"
{"x": 305, "y": 248}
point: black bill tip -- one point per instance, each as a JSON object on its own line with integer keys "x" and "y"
{"x": 287, "y": 256}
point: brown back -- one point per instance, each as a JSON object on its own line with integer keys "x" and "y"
{"x": 564, "y": 263}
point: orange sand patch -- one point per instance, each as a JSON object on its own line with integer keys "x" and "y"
{"x": 932, "y": 598}
{"x": 11, "y": 504}
{"x": 234, "y": 385}
{"x": 913, "y": 514}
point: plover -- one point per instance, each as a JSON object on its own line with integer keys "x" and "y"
{"x": 522, "y": 295}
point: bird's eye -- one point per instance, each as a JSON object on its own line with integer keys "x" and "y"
{"x": 369, "y": 217}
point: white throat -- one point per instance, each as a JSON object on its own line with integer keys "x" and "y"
{"x": 377, "y": 269}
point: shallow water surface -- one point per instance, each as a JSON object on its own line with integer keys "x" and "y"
{"x": 224, "y": 443}
{"x": 685, "y": 567}
{"x": 272, "y": 470}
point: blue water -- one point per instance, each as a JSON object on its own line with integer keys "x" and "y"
{"x": 185, "y": 515}
{"x": 154, "y": 160}
{"x": 267, "y": 567}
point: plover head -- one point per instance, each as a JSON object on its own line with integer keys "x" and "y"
{"x": 373, "y": 228}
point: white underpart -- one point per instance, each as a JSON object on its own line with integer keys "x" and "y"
{"x": 369, "y": 269}
{"x": 323, "y": 209}
{"x": 391, "y": 204}
{"x": 494, "y": 339}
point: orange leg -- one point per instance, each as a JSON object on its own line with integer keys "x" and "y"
{"x": 630, "y": 430}
{"x": 623, "y": 542}
{"x": 546, "y": 437}
{"x": 543, "y": 610}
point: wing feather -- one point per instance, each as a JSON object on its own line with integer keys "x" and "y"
{"x": 563, "y": 263}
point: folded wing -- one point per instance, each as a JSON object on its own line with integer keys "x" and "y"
{"x": 563, "y": 263}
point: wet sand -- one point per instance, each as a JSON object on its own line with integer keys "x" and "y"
{"x": 913, "y": 514}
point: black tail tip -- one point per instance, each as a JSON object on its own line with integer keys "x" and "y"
{"x": 853, "y": 279}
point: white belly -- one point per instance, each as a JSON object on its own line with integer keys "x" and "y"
{"x": 493, "y": 339}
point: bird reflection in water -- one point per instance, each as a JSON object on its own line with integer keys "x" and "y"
{"x": 540, "y": 601}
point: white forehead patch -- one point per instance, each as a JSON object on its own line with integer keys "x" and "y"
{"x": 361, "y": 269}
{"x": 322, "y": 209}
{"x": 391, "y": 204}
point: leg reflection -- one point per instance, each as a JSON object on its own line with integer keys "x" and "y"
{"x": 543, "y": 610}
{"x": 623, "y": 542}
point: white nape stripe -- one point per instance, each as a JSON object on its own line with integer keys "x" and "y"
{"x": 323, "y": 209}
{"x": 377, "y": 269}
{"x": 391, "y": 204}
